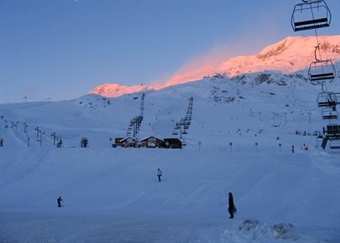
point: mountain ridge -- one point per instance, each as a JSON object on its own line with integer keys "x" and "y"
{"x": 288, "y": 56}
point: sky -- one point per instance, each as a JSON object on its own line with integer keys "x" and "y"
{"x": 62, "y": 49}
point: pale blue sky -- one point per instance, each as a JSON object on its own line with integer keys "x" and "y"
{"x": 61, "y": 49}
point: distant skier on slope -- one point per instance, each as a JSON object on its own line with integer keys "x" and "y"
{"x": 231, "y": 207}
{"x": 159, "y": 174}
{"x": 59, "y": 200}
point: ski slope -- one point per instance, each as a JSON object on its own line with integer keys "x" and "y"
{"x": 113, "y": 195}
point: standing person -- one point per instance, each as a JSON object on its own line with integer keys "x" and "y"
{"x": 59, "y": 199}
{"x": 231, "y": 205}
{"x": 159, "y": 174}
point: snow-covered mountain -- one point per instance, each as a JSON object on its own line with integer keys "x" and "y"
{"x": 252, "y": 134}
{"x": 291, "y": 55}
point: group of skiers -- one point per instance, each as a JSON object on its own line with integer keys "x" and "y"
{"x": 231, "y": 208}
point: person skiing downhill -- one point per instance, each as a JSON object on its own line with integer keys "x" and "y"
{"x": 159, "y": 174}
{"x": 59, "y": 200}
{"x": 231, "y": 207}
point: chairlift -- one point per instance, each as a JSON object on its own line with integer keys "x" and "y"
{"x": 332, "y": 131}
{"x": 321, "y": 71}
{"x": 175, "y": 132}
{"x": 329, "y": 113}
{"x": 310, "y": 14}
{"x": 185, "y": 131}
{"x": 326, "y": 99}
{"x": 334, "y": 143}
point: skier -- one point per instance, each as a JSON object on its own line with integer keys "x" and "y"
{"x": 231, "y": 207}
{"x": 159, "y": 174}
{"x": 59, "y": 199}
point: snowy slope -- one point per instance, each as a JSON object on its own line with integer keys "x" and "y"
{"x": 112, "y": 194}
{"x": 221, "y": 108}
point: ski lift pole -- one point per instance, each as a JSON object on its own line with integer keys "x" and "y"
{"x": 54, "y": 138}
{"x": 40, "y": 139}
{"x": 281, "y": 130}
{"x": 37, "y": 129}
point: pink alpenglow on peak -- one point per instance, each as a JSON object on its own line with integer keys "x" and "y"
{"x": 287, "y": 56}
{"x": 115, "y": 90}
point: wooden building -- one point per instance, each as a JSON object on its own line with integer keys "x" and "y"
{"x": 151, "y": 142}
{"x": 128, "y": 142}
{"x": 173, "y": 143}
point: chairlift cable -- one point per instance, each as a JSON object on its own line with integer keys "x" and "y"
{"x": 315, "y": 31}
{"x": 324, "y": 87}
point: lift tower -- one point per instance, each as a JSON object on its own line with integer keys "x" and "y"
{"x": 182, "y": 126}
{"x": 136, "y": 121}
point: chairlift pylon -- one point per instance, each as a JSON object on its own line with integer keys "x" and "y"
{"x": 310, "y": 14}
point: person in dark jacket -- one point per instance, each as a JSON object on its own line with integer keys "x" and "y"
{"x": 159, "y": 174}
{"x": 59, "y": 200}
{"x": 231, "y": 207}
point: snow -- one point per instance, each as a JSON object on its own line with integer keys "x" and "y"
{"x": 113, "y": 194}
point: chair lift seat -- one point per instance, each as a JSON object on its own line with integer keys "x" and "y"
{"x": 327, "y": 104}
{"x": 322, "y": 76}
{"x": 311, "y": 24}
{"x": 330, "y": 116}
